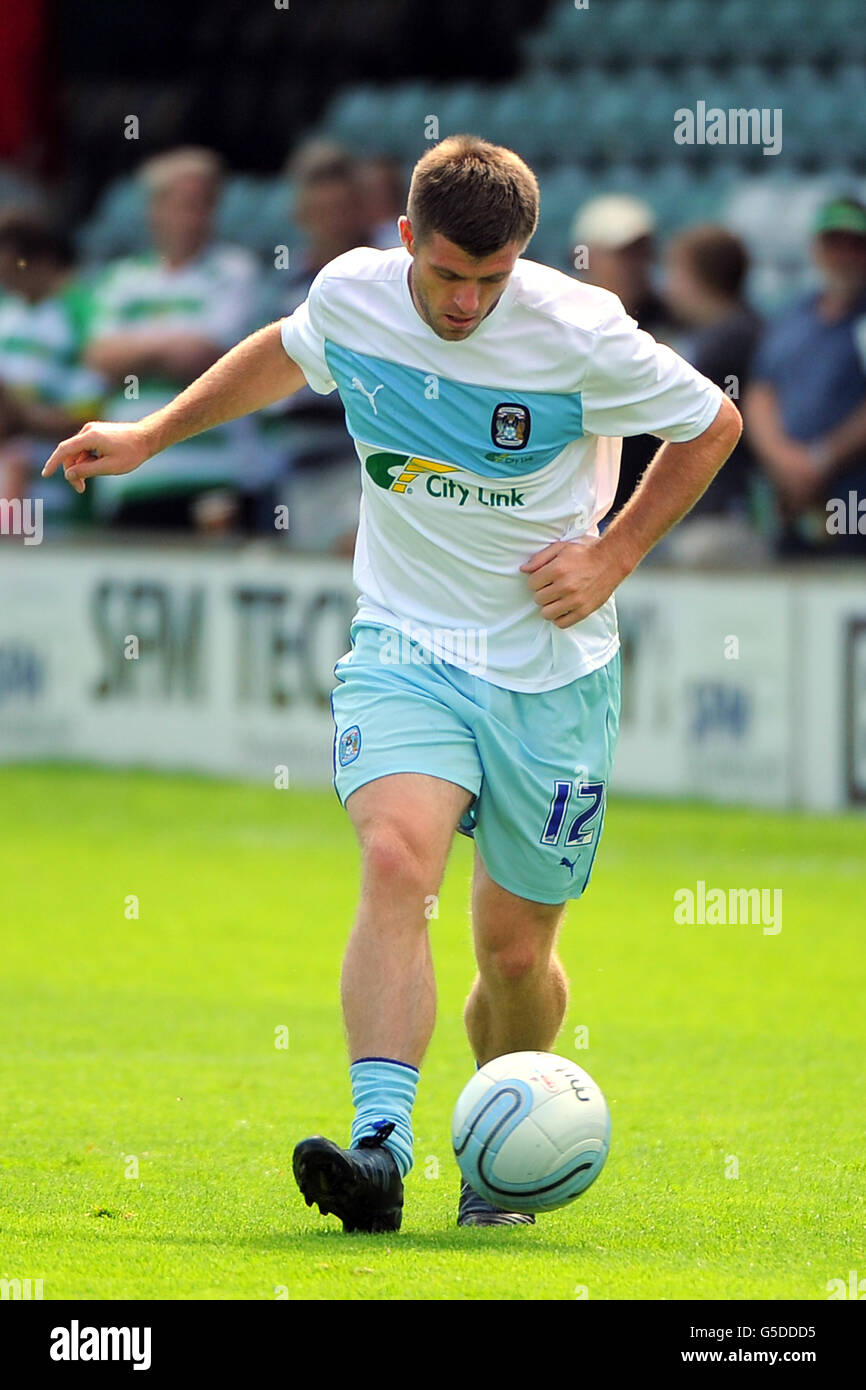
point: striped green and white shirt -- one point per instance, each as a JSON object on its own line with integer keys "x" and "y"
{"x": 40, "y": 361}
{"x": 217, "y": 295}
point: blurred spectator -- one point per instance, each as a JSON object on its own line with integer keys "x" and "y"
{"x": 704, "y": 287}
{"x": 383, "y": 185}
{"x": 323, "y": 486}
{"x": 617, "y": 233}
{"x": 162, "y": 319}
{"x": 330, "y": 210}
{"x": 805, "y": 411}
{"x": 45, "y": 392}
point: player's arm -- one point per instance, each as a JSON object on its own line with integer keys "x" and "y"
{"x": 254, "y": 374}
{"x": 675, "y": 479}
{"x": 572, "y": 579}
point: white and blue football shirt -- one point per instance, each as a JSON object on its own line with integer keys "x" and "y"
{"x": 478, "y": 453}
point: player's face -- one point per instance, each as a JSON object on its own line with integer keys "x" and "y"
{"x": 451, "y": 290}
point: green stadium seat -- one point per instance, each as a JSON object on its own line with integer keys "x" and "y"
{"x": 462, "y": 109}
{"x": 355, "y": 111}
{"x": 562, "y": 193}
{"x": 833, "y": 29}
{"x": 602, "y": 33}
{"x": 563, "y": 114}
{"x": 631, "y": 26}
{"x": 256, "y": 213}
{"x": 665, "y": 32}
{"x": 118, "y": 224}
{"x": 408, "y": 110}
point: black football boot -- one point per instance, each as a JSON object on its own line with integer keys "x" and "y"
{"x": 362, "y": 1186}
{"x": 476, "y": 1211}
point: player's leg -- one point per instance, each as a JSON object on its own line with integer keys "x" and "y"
{"x": 405, "y": 824}
{"x": 520, "y": 994}
{"x": 406, "y": 768}
{"x": 518, "y": 1000}
{"x": 546, "y": 758}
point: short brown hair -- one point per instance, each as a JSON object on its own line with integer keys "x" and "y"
{"x": 717, "y": 257}
{"x": 480, "y": 196}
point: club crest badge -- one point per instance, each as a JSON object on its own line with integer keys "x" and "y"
{"x": 350, "y": 745}
{"x": 510, "y": 426}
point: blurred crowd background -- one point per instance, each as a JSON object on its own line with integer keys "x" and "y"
{"x": 173, "y": 178}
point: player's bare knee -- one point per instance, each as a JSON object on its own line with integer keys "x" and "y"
{"x": 391, "y": 863}
{"x": 512, "y": 962}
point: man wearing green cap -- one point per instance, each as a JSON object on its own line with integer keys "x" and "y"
{"x": 805, "y": 410}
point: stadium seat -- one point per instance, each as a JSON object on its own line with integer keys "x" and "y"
{"x": 562, "y": 193}
{"x": 542, "y": 50}
{"x": 462, "y": 108}
{"x": 599, "y": 34}
{"x": 738, "y": 30}
{"x": 537, "y": 120}
{"x": 255, "y": 212}
{"x": 669, "y": 32}
{"x": 274, "y": 216}
{"x": 560, "y": 116}
{"x": 409, "y": 108}
{"x": 630, "y": 26}
{"x": 833, "y": 29}
{"x": 118, "y": 225}
{"x": 356, "y": 111}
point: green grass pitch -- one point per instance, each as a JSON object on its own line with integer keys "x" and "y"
{"x": 150, "y": 1118}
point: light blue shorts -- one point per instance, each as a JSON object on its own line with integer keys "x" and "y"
{"x": 537, "y": 763}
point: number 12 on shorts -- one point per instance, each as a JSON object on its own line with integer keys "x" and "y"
{"x": 584, "y": 824}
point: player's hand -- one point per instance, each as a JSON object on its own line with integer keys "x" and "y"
{"x": 571, "y": 579}
{"x": 98, "y": 449}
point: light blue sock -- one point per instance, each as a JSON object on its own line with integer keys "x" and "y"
{"x": 384, "y": 1092}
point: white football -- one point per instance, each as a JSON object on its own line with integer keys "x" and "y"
{"x": 531, "y": 1131}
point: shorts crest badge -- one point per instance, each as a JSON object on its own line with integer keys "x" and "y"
{"x": 350, "y": 745}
